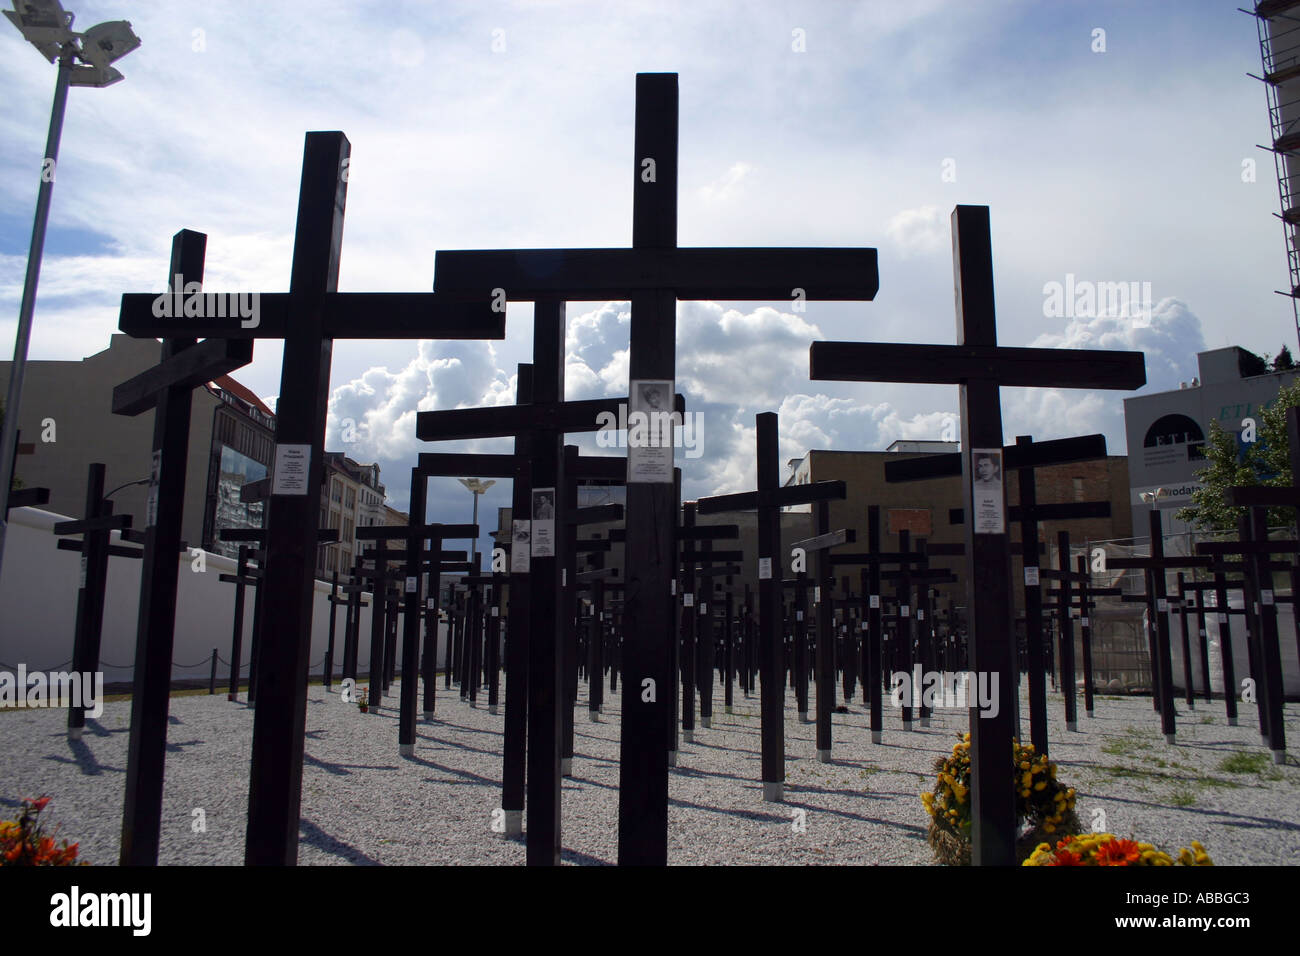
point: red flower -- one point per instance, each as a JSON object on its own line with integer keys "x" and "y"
{"x": 1065, "y": 858}
{"x": 1118, "y": 853}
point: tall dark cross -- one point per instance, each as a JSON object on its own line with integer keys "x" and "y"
{"x": 595, "y": 579}
{"x": 695, "y": 550}
{"x": 981, "y": 368}
{"x": 1024, "y": 457}
{"x": 544, "y": 418}
{"x": 1086, "y": 604}
{"x": 706, "y": 572}
{"x": 654, "y": 274}
{"x": 872, "y": 617}
{"x": 1255, "y": 549}
{"x": 799, "y": 641}
{"x": 95, "y": 528}
{"x": 352, "y": 622}
{"x": 336, "y": 600}
{"x": 1067, "y": 611}
{"x": 824, "y": 581}
{"x": 1157, "y": 601}
{"x": 912, "y": 621}
{"x": 414, "y": 557}
{"x": 381, "y": 577}
{"x": 873, "y": 561}
{"x": 308, "y": 318}
{"x": 768, "y": 500}
{"x": 324, "y": 536}
{"x": 519, "y": 468}
{"x": 243, "y": 577}
{"x": 168, "y": 389}
{"x": 1192, "y": 598}
{"x": 1184, "y": 605}
{"x": 1257, "y": 498}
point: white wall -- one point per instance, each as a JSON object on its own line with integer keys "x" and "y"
{"x": 38, "y": 606}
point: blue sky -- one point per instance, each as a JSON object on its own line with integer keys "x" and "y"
{"x": 1115, "y": 166}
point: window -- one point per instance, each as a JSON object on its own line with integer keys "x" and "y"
{"x": 336, "y": 491}
{"x": 1078, "y": 489}
{"x": 350, "y": 500}
{"x": 347, "y": 530}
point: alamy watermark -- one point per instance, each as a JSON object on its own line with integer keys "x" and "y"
{"x": 55, "y": 689}
{"x": 1084, "y": 299}
{"x": 941, "y": 689}
{"x": 187, "y": 300}
{"x": 651, "y": 429}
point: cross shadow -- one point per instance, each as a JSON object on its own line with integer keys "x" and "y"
{"x": 313, "y": 835}
{"x": 341, "y": 769}
{"x": 85, "y": 760}
{"x": 486, "y": 781}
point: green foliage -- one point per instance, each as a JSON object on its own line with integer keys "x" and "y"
{"x": 1266, "y": 462}
{"x": 1283, "y": 362}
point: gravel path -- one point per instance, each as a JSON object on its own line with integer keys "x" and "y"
{"x": 362, "y": 803}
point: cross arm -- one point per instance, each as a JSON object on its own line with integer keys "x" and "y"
{"x": 830, "y": 540}
{"x": 495, "y": 421}
{"x": 347, "y": 315}
{"x": 188, "y": 368}
{"x": 1061, "y": 451}
{"x": 590, "y": 275}
{"x": 959, "y": 364}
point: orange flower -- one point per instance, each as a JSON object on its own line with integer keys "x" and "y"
{"x": 1066, "y": 858}
{"x": 1118, "y": 853}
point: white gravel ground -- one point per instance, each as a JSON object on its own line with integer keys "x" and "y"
{"x": 362, "y": 803}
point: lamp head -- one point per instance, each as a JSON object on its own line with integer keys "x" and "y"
{"x": 477, "y": 485}
{"x": 44, "y": 24}
{"x": 106, "y": 43}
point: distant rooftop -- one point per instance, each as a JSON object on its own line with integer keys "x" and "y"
{"x": 923, "y": 446}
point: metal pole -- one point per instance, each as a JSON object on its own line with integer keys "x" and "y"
{"x": 9, "y": 432}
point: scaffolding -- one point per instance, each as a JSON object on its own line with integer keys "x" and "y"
{"x": 1278, "y": 26}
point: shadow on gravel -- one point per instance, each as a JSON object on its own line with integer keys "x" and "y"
{"x": 1233, "y": 819}
{"x": 314, "y": 836}
{"x": 487, "y": 781}
{"x": 85, "y": 760}
{"x": 342, "y": 769}
{"x": 754, "y": 815}
{"x": 582, "y": 859}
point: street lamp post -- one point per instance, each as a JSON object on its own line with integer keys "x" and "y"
{"x": 46, "y": 25}
{"x": 478, "y": 487}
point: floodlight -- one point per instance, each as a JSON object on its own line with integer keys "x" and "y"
{"x": 44, "y": 24}
{"x": 97, "y": 76}
{"x": 477, "y": 485}
{"x": 106, "y": 43}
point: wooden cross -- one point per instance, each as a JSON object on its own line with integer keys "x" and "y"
{"x": 654, "y": 274}
{"x": 168, "y": 389}
{"x": 1157, "y": 600}
{"x": 414, "y": 555}
{"x": 825, "y": 659}
{"x": 95, "y": 528}
{"x": 768, "y": 500}
{"x": 872, "y": 562}
{"x": 1255, "y": 548}
{"x": 1025, "y": 456}
{"x": 324, "y": 536}
{"x": 243, "y": 577}
{"x": 696, "y": 549}
{"x": 981, "y": 367}
{"x": 308, "y": 318}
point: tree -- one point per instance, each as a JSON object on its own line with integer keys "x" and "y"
{"x": 1263, "y": 461}
{"x": 1284, "y": 362}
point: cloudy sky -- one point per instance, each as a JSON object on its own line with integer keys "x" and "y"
{"x": 1111, "y": 140}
